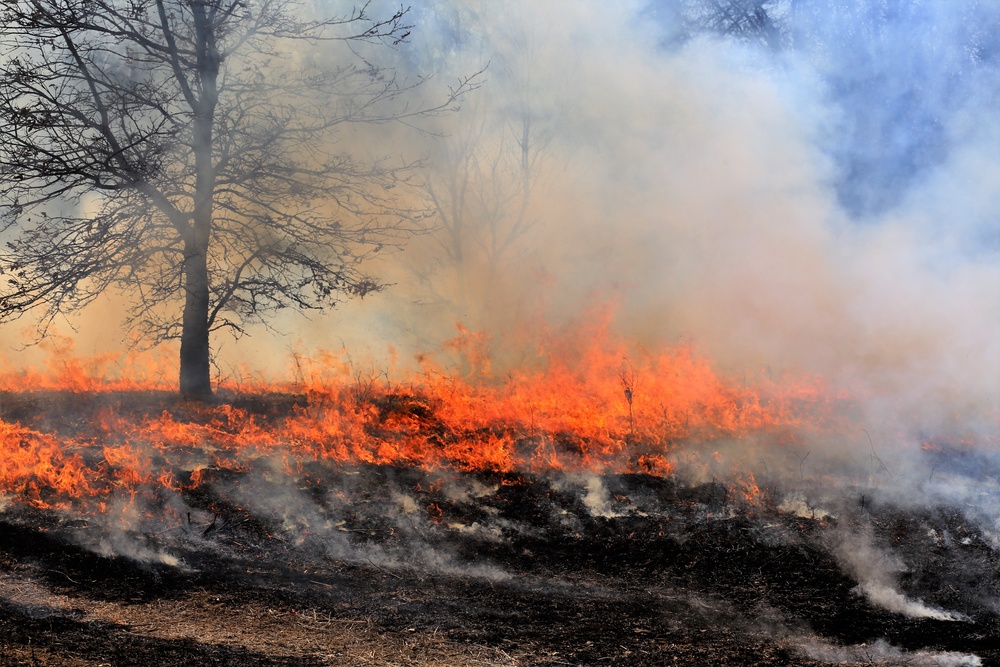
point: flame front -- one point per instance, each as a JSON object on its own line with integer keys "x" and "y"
{"x": 579, "y": 406}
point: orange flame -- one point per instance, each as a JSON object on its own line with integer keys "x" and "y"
{"x": 583, "y": 402}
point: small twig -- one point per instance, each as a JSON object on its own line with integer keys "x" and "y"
{"x": 383, "y": 571}
{"x": 626, "y": 375}
{"x": 366, "y": 531}
{"x": 875, "y": 457}
{"x": 67, "y": 576}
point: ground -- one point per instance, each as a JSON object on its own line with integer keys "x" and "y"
{"x": 365, "y": 564}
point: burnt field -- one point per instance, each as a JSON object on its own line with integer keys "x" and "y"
{"x": 333, "y": 563}
{"x": 523, "y": 574}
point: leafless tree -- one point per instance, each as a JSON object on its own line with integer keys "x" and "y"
{"x": 481, "y": 188}
{"x": 484, "y": 177}
{"x": 194, "y": 151}
{"x": 752, "y": 21}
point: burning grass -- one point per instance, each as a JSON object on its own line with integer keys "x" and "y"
{"x": 82, "y": 431}
{"x": 556, "y": 515}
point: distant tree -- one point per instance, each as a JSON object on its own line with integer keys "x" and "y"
{"x": 483, "y": 178}
{"x": 480, "y": 188}
{"x": 898, "y": 71}
{"x": 194, "y": 151}
{"x": 895, "y": 70}
{"x": 748, "y": 20}
{"x": 761, "y": 22}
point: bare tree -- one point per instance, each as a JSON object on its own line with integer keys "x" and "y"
{"x": 748, "y": 20}
{"x": 191, "y": 151}
{"x": 480, "y": 189}
{"x": 484, "y": 177}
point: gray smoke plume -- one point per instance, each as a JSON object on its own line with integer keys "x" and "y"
{"x": 875, "y": 570}
{"x": 718, "y": 191}
{"x": 813, "y": 198}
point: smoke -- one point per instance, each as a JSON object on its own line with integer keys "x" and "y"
{"x": 721, "y": 193}
{"x": 882, "y": 652}
{"x": 823, "y": 207}
{"x": 355, "y": 522}
{"x": 797, "y": 504}
{"x": 875, "y": 570}
{"x": 822, "y": 203}
{"x": 128, "y": 529}
{"x": 592, "y": 492}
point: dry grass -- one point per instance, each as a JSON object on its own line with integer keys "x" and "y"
{"x": 308, "y": 636}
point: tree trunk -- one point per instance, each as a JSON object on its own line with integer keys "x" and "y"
{"x": 196, "y": 378}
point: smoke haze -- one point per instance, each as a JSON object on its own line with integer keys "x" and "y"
{"x": 817, "y": 202}
{"x": 823, "y": 207}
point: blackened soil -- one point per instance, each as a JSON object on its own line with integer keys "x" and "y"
{"x": 627, "y": 570}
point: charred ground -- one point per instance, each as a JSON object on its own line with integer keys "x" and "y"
{"x": 377, "y": 564}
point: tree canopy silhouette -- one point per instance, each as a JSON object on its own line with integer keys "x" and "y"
{"x": 192, "y": 152}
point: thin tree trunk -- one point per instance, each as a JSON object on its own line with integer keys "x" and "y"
{"x": 196, "y": 378}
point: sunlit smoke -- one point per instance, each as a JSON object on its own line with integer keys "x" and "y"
{"x": 748, "y": 200}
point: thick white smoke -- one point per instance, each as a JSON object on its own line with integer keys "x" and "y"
{"x": 710, "y": 188}
{"x": 719, "y": 191}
